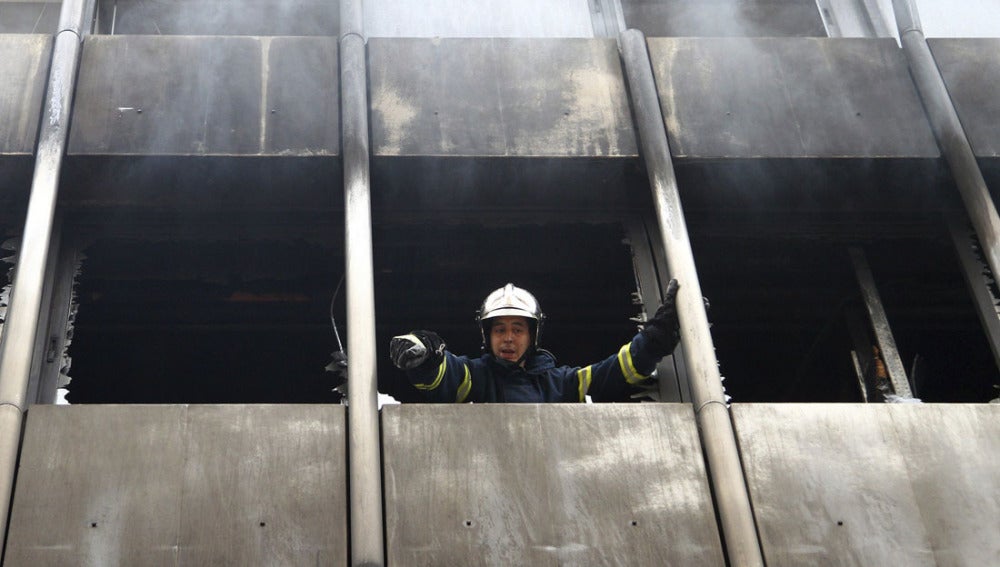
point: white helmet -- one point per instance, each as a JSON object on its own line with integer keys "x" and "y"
{"x": 510, "y": 300}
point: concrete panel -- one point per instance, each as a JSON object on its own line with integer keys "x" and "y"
{"x": 168, "y": 485}
{"x": 29, "y": 17}
{"x": 546, "y": 485}
{"x": 302, "y": 100}
{"x": 498, "y": 97}
{"x": 715, "y": 18}
{"x": 874, "y": 484}
{"x": 24, "y": 65}
{"x": 789, "y": 98}
{"x": 98, "y": 486}
{"x": 206, "y": 96}
{"x": 971, "y": 71}
{"x": 220, "y": 17}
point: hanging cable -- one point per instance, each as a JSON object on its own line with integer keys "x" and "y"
{"x": 333, "y": 321}
{"x": 339, "y": 363}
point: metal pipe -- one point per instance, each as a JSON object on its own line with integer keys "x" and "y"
{"x": 948, "y": 131}
{"x": 365, "y": 468}
{"x": 714, "y": 424}
{"x": 29, "y": 278}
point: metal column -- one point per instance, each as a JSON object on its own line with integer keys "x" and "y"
{"x": 950, "y": 136}
{"x": 714, "y": 425}
{"x": 365, "y": 469}
{"x": 29, "y": 278}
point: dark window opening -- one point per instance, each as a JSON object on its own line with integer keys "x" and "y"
{"x": 941, "y": 341}
{"x": 189, "y": 320}
{"x": 436, "y": 277}
{"x": 781, "y": 295}
{"x": 206, "y": 321}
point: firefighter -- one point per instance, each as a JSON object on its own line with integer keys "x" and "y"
{"x": 515, "y": 369}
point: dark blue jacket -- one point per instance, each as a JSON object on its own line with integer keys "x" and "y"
{"x": 488, "y": 379}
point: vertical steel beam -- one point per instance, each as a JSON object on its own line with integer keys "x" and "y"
{"x": 714, "y": 424}
{"x": 651, "y": 296}
{"x": 880, "y": 324}
{"x": 607, "y": 17}
{"x": 50, "y": 348}
{"x": 875, "y": 18}
{"x": 950, "y": 135}
{"x": 365, "y": 468}
{"x": 29, "y": 278}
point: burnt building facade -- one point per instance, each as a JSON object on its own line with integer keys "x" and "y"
{"x": 201, "y": 201}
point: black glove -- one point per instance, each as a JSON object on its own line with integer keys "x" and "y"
{"x": 410, "y": 351}
{"x": 662, "y": 330}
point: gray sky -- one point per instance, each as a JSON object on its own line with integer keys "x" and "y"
{"x": 954, "y": 18}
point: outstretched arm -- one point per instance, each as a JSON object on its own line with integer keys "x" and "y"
{"x": 663, "y": 330}
{"x": 440, "y": 375}
{"x": 637, "y": 359}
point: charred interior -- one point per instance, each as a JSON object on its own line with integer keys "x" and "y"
{"x": 205, "y": 321}
{"x": 211, "y": 243}
{"x": 787, "y": 310}
{"x": 215, "y": 215}
{"x": 247, "y": 320}
{"x": 237, "y": 316}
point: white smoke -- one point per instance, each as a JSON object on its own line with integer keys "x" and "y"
{"x": 478, "y": 18}
{"x": 951, "y": 18}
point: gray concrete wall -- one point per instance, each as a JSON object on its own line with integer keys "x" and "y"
{"x": 550, "y": 484}
{"x": 831, "y": 484}
{"x": 29, "y": 17}
{"x": 24, "y": 65}
{"x": 488, "y": 123}
{"x": 188, "y": 95}
{"x": 206, "y": 122}
{"x": 971, "y": 70}
{"x": 499, "y": 97}
{"x": 789, "y": 98}
{"x": 220, "y": 17}
{"x": 879, "y": 484}
{"x": 181, "y": 485}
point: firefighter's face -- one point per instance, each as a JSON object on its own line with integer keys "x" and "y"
{"x": 510, "y": 337}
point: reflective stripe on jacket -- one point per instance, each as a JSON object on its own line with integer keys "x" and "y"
{"x": 487, "y": 379}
